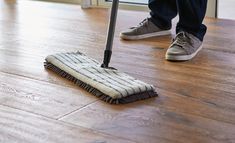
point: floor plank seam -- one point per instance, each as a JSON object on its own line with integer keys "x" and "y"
{"x": 40, "y": 80}
{"x": 230, "y": 93}
{"x": 65, "y": 115}
{"x": 27, "y": 111}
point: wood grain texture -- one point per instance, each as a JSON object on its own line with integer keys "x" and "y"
{"x": 151, "y": 124}
{"x": 42, "y": 98}
{"x": 19, "y": 126}
{"x": 196, "y": 100}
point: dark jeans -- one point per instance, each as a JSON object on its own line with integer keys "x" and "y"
{"x": 191, "y": 14}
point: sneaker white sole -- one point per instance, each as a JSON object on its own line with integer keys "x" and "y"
{"x": 183, "y": 57}
{"x": 144, "y": 36}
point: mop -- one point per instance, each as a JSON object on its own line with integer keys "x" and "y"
{"x": 105, "y": 82}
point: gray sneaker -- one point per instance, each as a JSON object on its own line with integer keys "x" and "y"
{"x": 184, "y": 47}
{"x": 145, "y": 29}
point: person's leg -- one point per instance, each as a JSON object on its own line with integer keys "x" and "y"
{"x": 191, "y": 15}
{"x": 190, "y": 30}
{"x": 162, "y": 12}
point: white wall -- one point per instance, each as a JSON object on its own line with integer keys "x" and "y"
{"x": 226, "y": 9}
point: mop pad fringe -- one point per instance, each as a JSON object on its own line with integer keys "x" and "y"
{"x": 96, "y": 92}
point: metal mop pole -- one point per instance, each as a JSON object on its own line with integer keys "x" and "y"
{"x": 111, "y": 31}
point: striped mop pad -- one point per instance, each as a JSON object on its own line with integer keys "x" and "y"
{"x": 108, "y": 84}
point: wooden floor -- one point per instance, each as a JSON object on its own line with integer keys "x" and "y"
{"x": 196, "y": 102}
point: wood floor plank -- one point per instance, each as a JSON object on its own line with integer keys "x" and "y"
{"x": 206, "y": 105}
{"x": 140, "y": 122}
{"x": 42, "y": 98}
{"x": 18, "y": 126}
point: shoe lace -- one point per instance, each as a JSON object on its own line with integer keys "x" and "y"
{"x": 181, "y": 39}
{"x": 144, "y": 22}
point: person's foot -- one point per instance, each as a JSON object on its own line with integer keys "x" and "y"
{"x": 184, "y": 47}
{"x": 145, "y": 29}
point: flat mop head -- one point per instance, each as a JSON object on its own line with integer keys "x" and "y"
{"x": 108, "y": 84}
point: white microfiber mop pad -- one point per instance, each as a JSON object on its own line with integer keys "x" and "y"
{"x": 109, "y": 84}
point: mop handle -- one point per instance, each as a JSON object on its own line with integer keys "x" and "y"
{"x": 111, "y": 31}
